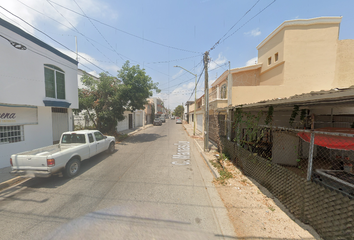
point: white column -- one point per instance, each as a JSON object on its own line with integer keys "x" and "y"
{"x": 229, "y": 89}
{"x": 143, "y": 118}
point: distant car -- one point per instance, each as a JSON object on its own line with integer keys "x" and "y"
{"x": 157, "y": 122}
{"x": 173, "y": 117}
{"x": 163, "y": 119}
{"x": 178, "y": 121}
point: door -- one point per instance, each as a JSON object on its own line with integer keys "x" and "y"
{"x": 101, "y": 142}
{"x": 200, "y": 122}
{"x": 60, "y": 123}
{"x": 92, "y": 145}
{"x": 130, "y": 121}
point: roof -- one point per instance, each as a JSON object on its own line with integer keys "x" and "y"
{"x": 29, "y": 37}
{"x": 300, "y": 22}
{"x": 333, "y": 96}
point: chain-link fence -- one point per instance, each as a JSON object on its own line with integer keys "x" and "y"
{"x": 310, "y": 172}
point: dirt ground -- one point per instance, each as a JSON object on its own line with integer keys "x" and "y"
{"x": 254, "y": 211}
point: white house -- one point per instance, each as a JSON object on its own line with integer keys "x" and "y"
{"x": 38, "y": 90}
{"x": 131, "y": 120}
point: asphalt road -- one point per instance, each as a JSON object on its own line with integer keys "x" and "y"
{"x": 139, "y": 192}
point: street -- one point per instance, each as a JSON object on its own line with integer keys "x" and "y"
{"x": 139, "y": 192}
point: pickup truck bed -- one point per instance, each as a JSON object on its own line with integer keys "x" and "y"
{"x": 66, "y": 156}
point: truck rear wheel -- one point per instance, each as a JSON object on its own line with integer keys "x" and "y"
{"x": 72, "y": 168}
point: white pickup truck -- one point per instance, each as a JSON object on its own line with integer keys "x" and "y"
{"x": 64, "y": 157}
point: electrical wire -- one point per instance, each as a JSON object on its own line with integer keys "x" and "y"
{"x": 91, "y": 39}
{"x": 98, "y": 31}
{"x": 79, "y": 32}
{"x": 249, "y": 20}
{"x": 123, "y": 30}
{"x": 213, "y": 47}
{"x": 223, "y": 40}
{"x": 168, "y": 61}
{"x": 53, "y": 39}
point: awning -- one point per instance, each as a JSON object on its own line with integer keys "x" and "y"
{"x": 330, "y": 141}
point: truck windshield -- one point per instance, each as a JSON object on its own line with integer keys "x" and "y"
{"x": 73, "y": 138}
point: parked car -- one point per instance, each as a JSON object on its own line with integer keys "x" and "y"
{"x": 173, "y": 117}
{"x": 163, "y": 119}
{"x": 65, "y": 157}
{"x": 157, "y": 122}
{"x": 178, "y": 121}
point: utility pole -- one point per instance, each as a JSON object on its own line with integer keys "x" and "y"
{"x": 206, "y": 102}
{"x": 77, "y": 52}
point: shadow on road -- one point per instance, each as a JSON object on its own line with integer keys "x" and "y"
{"x": 143, "y": 137}
{"x": 58, "y": 180}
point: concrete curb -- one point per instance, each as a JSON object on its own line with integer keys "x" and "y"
{"x": 213, "y": 170}
{"x": 139, "y": 129}
{"x": 11, "y": 182}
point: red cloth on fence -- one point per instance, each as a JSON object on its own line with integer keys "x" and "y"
{"x": 330, "y": 141}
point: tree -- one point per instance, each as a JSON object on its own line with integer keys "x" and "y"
{"x": 106, "y": 99}
{"x": 179, "y": 110}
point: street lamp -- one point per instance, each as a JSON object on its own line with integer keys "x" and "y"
{"x": 195, "y": 96}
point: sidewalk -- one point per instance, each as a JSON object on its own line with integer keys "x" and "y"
{"x": 252, "y": 209}
{"x": 7, "y": 180}
{"x": 199, "y": 140}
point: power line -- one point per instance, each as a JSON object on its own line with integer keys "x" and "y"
{"x": 98, "y": 31}
{"x": 222, "y": 40}
{"x": 123, "y": 30}
{"x": 249, "y": 20}
{"x": 218, "y": 65}
{"x": 79, "y": 32}
{"x": 168, "y": 61}
{"x": 91, "y": 40}
{"x": 184, "y": 73}
{"x": 52, "y": 38}
{"x": 195, "y": 88}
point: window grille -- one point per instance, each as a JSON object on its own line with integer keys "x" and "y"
{"x": 11, "y": 134}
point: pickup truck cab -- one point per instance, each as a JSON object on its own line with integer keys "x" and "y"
{"x": 64, "y": 157}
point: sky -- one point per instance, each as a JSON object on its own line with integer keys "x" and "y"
{"x": 160, "y": 34}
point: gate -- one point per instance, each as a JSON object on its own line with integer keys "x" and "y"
{"x": 60, "y": 123}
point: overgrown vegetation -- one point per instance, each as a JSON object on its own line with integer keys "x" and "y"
{"x": 224, "y": 173}
{"x": 106, "y": 99}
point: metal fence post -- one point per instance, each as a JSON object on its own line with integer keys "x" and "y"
{"x": 309, "y": 167}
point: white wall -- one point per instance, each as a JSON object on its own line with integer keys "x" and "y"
{"x": 124, "y": 124}
{"x": 22, "y": 72}
{"x": 35, "y": 136}
{"x": 139, "y": 118}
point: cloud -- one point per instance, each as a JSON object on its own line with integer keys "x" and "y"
{"x": 254, "y": 32}
{"x": 112, "y": 68}
{"x": 178, "y": 74}
{"x": 31, "y": 10}
{"x": 180, "y": 95}
{"x": 221, "y": 60}
{"x": 252, "y": 61}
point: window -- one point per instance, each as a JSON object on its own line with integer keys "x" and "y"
{"x": 73, "y": 138}
{"x": 90, "y": 137}
{"x": 98, "y": 136}
{"x": 54, "y": 79}
{"x": 269, "y": 60}
{"x": 11, "y": 134}
{"x": 223, "y": 91}
{"x": 276, "y": 57}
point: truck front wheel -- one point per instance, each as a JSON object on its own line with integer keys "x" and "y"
{"x": 72, "y": 168}
{"x": 111, "y": 148}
